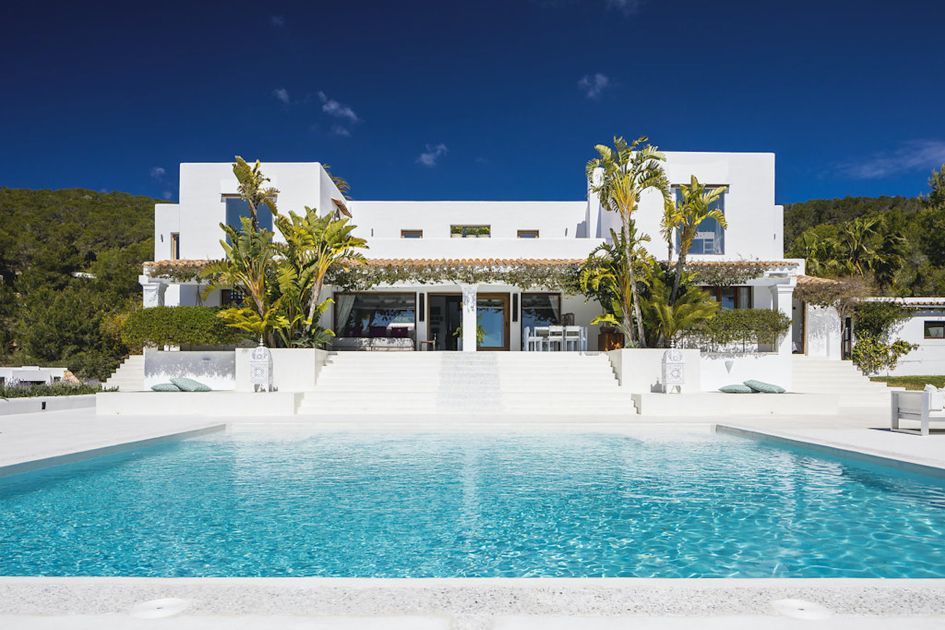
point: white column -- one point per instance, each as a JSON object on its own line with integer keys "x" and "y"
{"x": 152, "y": 290}
{"x": 782, "y": 297}
{"x": 469, "y": 317}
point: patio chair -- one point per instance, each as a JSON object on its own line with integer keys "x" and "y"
{"x": 572, "y": 338}
{"x": 538, "y": 340}
{"x": 555, "y": 337}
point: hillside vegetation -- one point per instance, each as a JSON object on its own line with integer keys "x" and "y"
{"x": 895, "y": 243}
{"x": 48, "y": 316}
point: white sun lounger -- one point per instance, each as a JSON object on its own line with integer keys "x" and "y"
{"x": 925, "y": 407}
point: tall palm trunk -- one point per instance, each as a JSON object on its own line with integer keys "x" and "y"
{"x": 634, "y": 291}
{"x": 680, "y": 267}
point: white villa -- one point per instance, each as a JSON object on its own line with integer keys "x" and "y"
{"x": 481, "y": 235}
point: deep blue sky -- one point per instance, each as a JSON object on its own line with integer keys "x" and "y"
{"x": 505, "y": 98}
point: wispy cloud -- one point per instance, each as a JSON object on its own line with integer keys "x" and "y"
{"x": 432, "y": 155}
{"x": 593, "y": 85}
{"x": 340, "y": 130}
{"x": 277, "y": 21}
{"x": 168, "y": 194}
{"x": 908, "y": 156}
{"x": 627, "y": 7}
{"x": 158, "y": 172}
{"x": 282, "y": 94}
{"x": 333, "y": 108}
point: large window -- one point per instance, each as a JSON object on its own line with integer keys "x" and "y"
{"x": 541, "y": 309}
{"x": 375, "y": 315}
{"x": 935, "y": 330}
{"x": 731, "y": 297}
{"x": 236, "y": 208}
{"x": 470, "y": 231}
{"x": 710, "y": 237}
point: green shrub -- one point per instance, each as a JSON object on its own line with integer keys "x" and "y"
{"x": 872, "y": 355}
{"x": 875, "y": 320}
{"x": 56, "y": 389}
{"x": 744, "y": 328}
{"x": 178, "y": 326}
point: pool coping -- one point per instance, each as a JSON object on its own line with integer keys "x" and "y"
{"x": 73, "y": 456}
{"x": 833, "y": 448}
{"x": 478, "y": 598}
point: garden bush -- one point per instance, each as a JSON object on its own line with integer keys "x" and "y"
{"x": 742, "y": 329}
{"x": 55, "y": 389}
{"x": 183, "y": 326}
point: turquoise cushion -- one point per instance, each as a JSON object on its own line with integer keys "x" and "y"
{"x": 189, "y": 385}
{"x": 765, "y": 388}
{"x": 165, "y": 387}
{"x": 737, "y": 388}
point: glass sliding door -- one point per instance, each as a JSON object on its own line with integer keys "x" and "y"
{"x": 492, "y": 317}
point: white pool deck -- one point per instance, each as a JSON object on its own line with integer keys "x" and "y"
{"x": 460, "y": 604}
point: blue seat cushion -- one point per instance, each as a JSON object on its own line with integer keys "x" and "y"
{"x": 764, "y": 388}
{"x": 189, "y": 385}
{"x": 737, "y": 388}
{"x": 165, "y": 387}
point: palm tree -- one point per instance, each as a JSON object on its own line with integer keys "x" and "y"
{"x": 605, "y": 275}
{"x": 619, "y": 177}
{"x": 694, "y": 208}
{"x": 247, "y": 265}
{"x": 669, "y": 318}
{"x": 316, "y": 244}
{"x": 858, "y": 252}
{"x": 253, "y": 189}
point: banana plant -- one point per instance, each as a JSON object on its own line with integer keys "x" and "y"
{"x": 695, "y": 207}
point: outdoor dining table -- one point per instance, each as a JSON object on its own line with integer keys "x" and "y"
{"x": 541, "y": 338}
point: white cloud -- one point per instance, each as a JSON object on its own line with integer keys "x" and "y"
{"x": 908, "y": 156}
{"x": 282, "y": 94}
{"x": 594, "y": 84}
{"x": 158, "y": 172}
{"x": 432, "y": 155}
{"x": 277, "y": 20}
{"x": 339, "y": 130}
{"x": 627, "y": 7}
{"x": 333, "y": 108}
{"x": 168, "y": 194}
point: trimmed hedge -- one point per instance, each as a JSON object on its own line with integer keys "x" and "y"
{"x": 178, "y": 326}
{"x": 738, "y": 327}
{"x": 55, "y": 389}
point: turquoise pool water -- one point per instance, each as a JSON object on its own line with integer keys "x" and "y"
{"x": 472, "y": 505}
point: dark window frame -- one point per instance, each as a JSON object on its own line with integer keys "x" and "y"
{"x": 716, "y": 293}
{"x": 522, "y": 307}
{"x": 411, "y": 233}
{"x": 471, "y": 230}
{"x": 937, "y": 323}
{"x": 338, "y": 326}
{"x": 519, "y": 233}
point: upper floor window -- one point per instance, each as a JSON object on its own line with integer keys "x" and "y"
{"x": 175, "y": 246}
{"x": 470, "y": 231}
{"x": 411, "y": 234}
{"x": 935, "y": 330}
{"x": 710, "y": 236}
{"x": 731, "y": 297}
{"x": 236, "y": 208}
{"x": 528, "y": 233}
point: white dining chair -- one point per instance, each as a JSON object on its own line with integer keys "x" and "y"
{"x": 555, "y": 337}
{"x": 572, "y": 338}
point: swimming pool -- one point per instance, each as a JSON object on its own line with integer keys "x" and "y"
{"x": 472, "y": 505}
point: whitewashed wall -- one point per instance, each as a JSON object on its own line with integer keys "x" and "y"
{"x": 929, "y": 357}
{"x": 755, "y": 222}
{"x": 823, "y": 330}
{"x": 720, "y": 369}
{"x": 640, "y": 370}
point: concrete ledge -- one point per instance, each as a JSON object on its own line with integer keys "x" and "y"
{"x": 45, "y": 403}
{"x": 465, "y": 601}
{"x": 78, "y": 456}
{"x": 212, "y": 404}
{"x": 724, "y": 405}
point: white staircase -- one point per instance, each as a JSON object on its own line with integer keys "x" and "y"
{"x": 129, "y": 377}
{"x": 842, "y": 379}
{"x": 466, "y": 383}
